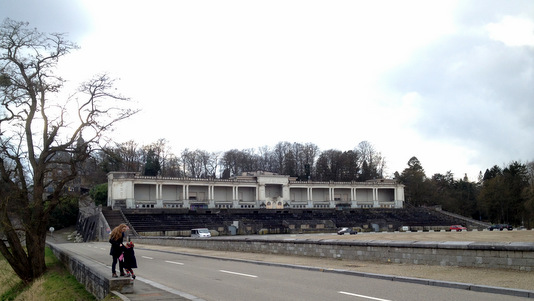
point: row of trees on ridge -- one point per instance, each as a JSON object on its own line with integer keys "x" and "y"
{"x": 304, "y": 161}
{"x": 500, "y": 194}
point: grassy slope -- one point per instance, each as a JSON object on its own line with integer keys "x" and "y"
{"x": 57, "y": 284}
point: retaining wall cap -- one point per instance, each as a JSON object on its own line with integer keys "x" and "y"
{"x": 426, "y": 244}
{"x": 379, "y": 243}
{"x": 402, "y": 243}
{"x": 455, "y": 244}
{"x": 292, "y": 240}
{"x": 326, "y": 241}
{"x": 339, "y": 243}
{"x": 520, "y": 246}
{"x": 490, "y": 246}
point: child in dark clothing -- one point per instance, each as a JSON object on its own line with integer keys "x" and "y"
{"x": 130, "y": 262}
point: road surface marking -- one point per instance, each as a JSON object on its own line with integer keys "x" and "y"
{"x": 147, "y": 257}
{"x": 362, "y": 296}
{"x": 240, "y": 274}
{"x": 174, "y": 262}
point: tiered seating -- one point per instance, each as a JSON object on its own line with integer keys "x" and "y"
{"x": 282, "y": 221}
{"x": 113, "y": 217}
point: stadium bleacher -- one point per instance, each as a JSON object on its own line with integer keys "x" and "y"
{"x": 166, "y": 221}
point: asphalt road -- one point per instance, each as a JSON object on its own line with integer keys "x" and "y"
{"x": 216, "y": 279}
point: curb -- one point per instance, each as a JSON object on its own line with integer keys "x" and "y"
{"x": 119, "y": 295}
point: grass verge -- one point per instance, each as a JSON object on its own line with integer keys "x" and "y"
{"x": 56, "y": 284}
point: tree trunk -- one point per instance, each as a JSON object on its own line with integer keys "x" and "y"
{"x": 24, "y": 250}
{"x": 35, "y": 245}
{"x": 14, "y": 252}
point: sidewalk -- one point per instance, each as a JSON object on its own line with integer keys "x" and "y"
{"x": 145, "y": 290}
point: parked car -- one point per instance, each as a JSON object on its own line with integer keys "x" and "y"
{"x": 200, "y": 232}
{"x": 507, "y": 227}
{"x": 347, "y": 231}
{"x": 457, "y": 228}
{"x": 500, "y": 227}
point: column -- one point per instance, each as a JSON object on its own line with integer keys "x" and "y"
{"x": 186, "y": 196}
{"x": 211, "y": 196}
{"x": 159, "y": 196}
{"x": 331, "y": 197}
{"x": 235, "y": 196}
{"x": 353, "y": 201}
{"x": 261, "y": 193}
{"x": 399, "y": 197}
{"x": 285, "y": 194}
{"x": 375, "y": 198}
{"x": 310, "y": 197}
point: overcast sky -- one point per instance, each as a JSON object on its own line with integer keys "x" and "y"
{"x": 450, "y": 82}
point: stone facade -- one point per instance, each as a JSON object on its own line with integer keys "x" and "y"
{"x": 250, "y": 190}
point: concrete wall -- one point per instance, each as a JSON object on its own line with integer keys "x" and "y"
{"x": 514, "y": 256}
{"x": 95, "y": 277}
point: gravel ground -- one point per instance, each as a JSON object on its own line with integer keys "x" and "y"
{"x": 491, "y": 277}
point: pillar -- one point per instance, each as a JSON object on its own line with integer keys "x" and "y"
{"x": 376, "y": 204}
{"x": 285, "y": 193}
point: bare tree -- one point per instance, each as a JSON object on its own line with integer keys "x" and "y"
{"x": 305, "y": 156}
{"x": 192, "y": 163}
{"x": 265, "y": 159}
{"x": 129, "y": 155}
{"x": 372, "y": 164}
{"x": 279, "y": 153}
{"x": 164, "y": 155}
{"x": 210, "y": 163}
{"x": 43, "y": 140}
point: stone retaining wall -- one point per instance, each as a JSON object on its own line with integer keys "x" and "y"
{"x": 95, "y": 277}
{"x": 514, "y": 256}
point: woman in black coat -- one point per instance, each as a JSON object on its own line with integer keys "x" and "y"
{"x": 116, "y": 239}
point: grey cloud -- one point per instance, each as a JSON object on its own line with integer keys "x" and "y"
{"x": 474, "y": 13}
{"x": 476, "y": 92}
{"x": 61, "y": 16}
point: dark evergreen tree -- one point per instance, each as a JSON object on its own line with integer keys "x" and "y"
{"x": 152, "y": 166}
{"x": 417, "y": 188}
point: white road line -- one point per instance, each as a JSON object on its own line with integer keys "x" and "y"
{"x": 147, "y": 257}
{"x": 240, "y": 274}
{"x": 174, "y": 262}
{"x": 362, "y": 296}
